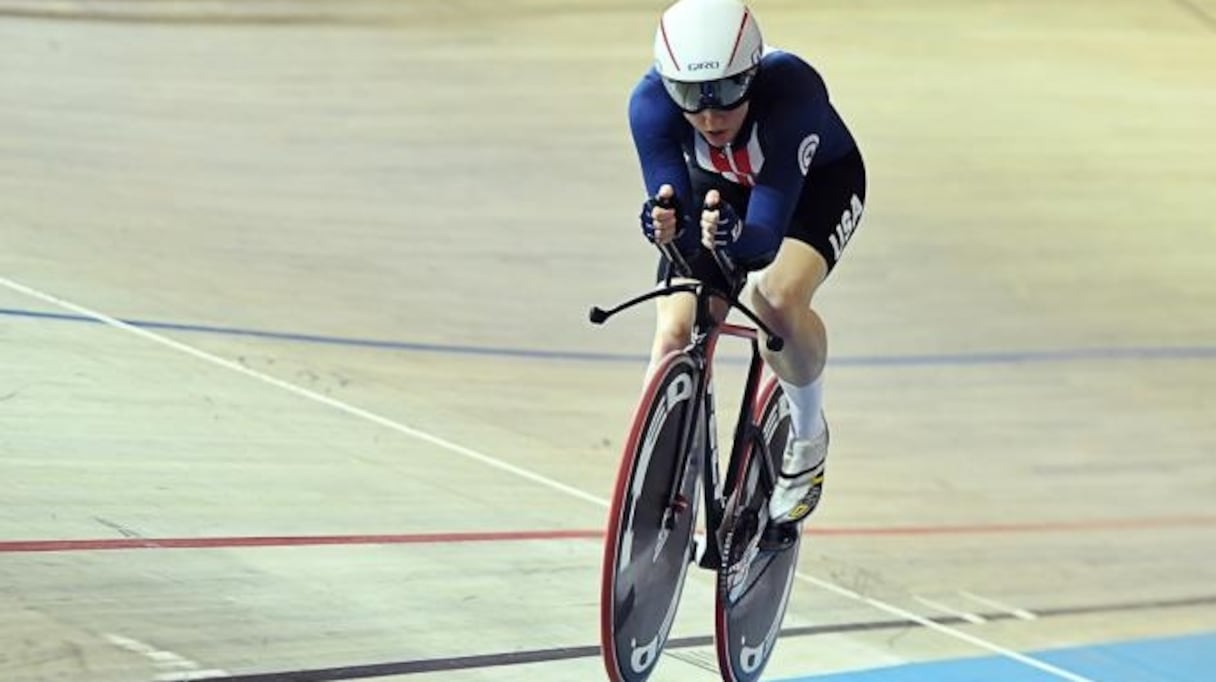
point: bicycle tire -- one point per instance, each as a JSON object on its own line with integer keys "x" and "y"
{"x": 749, "y": 611}
{"x": 643, "y": 569}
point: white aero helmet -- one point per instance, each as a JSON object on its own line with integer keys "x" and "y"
{"x": 707, "y": 53}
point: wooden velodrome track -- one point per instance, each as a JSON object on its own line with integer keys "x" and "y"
{"x": 355, "y": 422}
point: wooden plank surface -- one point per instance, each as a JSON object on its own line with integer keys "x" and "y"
{"x": 413, "y": 204}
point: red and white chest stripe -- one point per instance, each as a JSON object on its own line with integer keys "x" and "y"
{"x": 738, "y": 163}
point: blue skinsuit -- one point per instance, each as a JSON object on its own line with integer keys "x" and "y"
{"x": 790, "y": 127}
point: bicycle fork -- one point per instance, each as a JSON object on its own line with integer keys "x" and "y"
{"x": 693, "y": 432}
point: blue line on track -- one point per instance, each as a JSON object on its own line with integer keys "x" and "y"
{"x": 1189, "y": 658}
{"x": 912, "y": 360}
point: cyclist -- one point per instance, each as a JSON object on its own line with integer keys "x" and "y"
{"x": 741, "y": 149}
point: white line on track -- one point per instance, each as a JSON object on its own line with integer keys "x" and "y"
{"x": 305, "y": 393}
{"x": 945, "y": 629}
{"x": 938, "y": 606}
{"x": 992, "y": 603}
{"x": 174, "y": 668}
{"x": 496, "y": 463}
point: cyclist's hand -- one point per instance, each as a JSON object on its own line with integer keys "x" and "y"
{"x": 720, "y": 225}
{"x": 659, "y": 224}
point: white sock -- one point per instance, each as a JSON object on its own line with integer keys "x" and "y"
{"x": 806, "y": 406}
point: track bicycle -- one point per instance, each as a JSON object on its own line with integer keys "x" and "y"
{"x": 669, "y": 469}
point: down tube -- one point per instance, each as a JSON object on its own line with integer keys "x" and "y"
{"x": 742, "y": 438}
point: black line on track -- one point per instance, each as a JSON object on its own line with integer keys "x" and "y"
{"x": 357, "y": 672}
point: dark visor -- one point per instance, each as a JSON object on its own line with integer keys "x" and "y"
{"x": 724, "y": 93}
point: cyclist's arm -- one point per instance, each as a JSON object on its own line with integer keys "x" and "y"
{"x": 658, "y": 128}
{"x": 790, "y": 129}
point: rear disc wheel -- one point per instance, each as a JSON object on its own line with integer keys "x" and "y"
{"x": 755, "y": 580}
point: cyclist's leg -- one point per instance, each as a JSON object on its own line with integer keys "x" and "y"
{"x": 783, "y": 294}
{"x": 673, "y": 327}
{"x": 675, "y": 314}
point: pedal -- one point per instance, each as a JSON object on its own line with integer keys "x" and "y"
{"x": 779, "y": 537}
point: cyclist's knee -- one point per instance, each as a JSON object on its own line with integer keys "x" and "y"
{"x": 673, "y": 327}
{"x": 670, "y": 336}
{"x": 782, "y": 297}
{"x": 785, "y": 288}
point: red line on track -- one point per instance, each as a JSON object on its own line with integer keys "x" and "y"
{"x": 291, "y": 541}
{"x": 103, "y": 544}
{"x": 1028, "y": 527}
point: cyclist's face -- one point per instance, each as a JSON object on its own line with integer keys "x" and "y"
{"x": 718, "y": 127}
